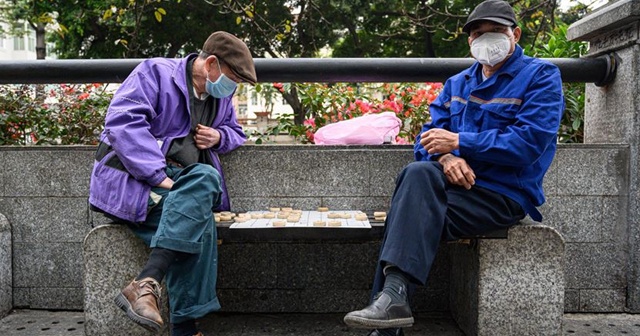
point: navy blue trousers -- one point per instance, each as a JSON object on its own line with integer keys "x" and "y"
{"x": 426, "y": 209}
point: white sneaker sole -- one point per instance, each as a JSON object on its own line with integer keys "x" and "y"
{"x": 365, "y": 323}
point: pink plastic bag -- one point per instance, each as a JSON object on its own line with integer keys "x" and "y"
{"x": 369, "y": 129}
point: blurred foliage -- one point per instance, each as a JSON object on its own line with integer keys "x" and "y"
{"x": 290, "y": 28}
{"x": 68, "y": 114}
{"x": 336, "y": 102}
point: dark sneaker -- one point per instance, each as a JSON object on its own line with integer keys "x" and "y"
{"x": 140, "y": 301}
{"x": 381, "y": 314}
{"x": 386, "y": 332}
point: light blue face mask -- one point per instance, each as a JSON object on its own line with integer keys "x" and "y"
{"x": 222, "y": 87}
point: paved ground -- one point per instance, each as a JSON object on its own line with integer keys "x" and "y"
{"x": 48, "y": 323}
{"x": 601, "y": 324}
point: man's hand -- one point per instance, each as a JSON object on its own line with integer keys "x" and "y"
{"x": 439, "y": 141}
{"x": 206, "y": 137}
{"x": 167, "y": 183}
{"x": 457, "y": 171}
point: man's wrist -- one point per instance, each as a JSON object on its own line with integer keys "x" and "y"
{"x": 443, "y": 155}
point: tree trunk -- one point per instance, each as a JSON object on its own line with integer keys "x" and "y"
{"x": 41, "y": 53}
{"x": 41, "y": 47}
{"x": 294, "y": 101}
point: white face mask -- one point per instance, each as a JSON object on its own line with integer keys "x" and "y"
{"x": 491, "y": 48}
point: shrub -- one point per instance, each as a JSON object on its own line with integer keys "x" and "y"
{"x": 326, "y": 104}
{"x": 58, "y": 114}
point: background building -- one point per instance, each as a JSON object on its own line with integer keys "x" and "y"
{"x": 17, "y": 47}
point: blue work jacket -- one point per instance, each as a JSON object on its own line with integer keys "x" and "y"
{"x": 507, "y": 125}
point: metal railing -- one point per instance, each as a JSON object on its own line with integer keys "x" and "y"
{"x": 600, "y": 70}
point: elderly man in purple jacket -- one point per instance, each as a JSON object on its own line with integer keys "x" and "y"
{"x": 157, "y": 169}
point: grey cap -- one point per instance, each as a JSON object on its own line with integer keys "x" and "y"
{"x": 497, "y": 11}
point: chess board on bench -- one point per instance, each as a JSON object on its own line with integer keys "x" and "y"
{"x": 286, "y": 224}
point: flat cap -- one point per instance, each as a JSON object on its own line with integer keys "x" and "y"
{"x": 234, "y": 53}
{"x": 497, "y": 11}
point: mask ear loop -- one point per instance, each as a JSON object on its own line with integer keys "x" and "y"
{"x": 219, "y": 69}
{"x": 218, "y": 63}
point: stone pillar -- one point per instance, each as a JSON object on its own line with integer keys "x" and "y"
{"x": 6, "y": 272}
{"x": 512, "y": 286}
{"x": 611, "y": 112}
{"x": 113, "y": 256}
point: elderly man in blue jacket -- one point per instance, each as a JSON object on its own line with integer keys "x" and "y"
{"x": 479, "y": 163}
{"x": 157, "y": 169}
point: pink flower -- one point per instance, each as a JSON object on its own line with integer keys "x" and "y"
{"x": 392, "y": 105}
{"x": 363, "y": 106}
{"x": 401, "y": 141}
{"x": 310, "y": 122}
{"x": 310, "y": 136}
{"x": 416, "y": 100}
{"x": 279, "y": 87}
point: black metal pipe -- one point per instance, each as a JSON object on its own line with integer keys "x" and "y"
{"x": 600, "y": 70}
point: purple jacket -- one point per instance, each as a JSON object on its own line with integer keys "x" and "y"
{"x": 150, "y": 109}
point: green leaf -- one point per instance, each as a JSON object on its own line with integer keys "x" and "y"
{"x": 576, "y": 124}
{"x": 158, "y": 16}
{"x": 238, "y": 20}
{"x": 162, "y": 11}
{"x": 558, "y": 52}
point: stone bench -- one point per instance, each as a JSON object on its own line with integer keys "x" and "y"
{"x": 511, "y": 286}
{"x": 504, "y": 286}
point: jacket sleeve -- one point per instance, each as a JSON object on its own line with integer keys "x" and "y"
{"x": 231, "y": 134}
{"x": 127, "y": 126}
{"x": 536, "y": 126}
{"x": 440, "y": 118}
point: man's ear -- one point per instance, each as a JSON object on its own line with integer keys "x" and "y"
{"x": 211, "y": 62}
{"x": 517, "y": 32}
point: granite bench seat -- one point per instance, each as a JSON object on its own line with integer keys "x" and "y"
{"x": 507, "y": 286}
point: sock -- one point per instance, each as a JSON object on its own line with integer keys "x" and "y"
{"x": 159, "y": 261}
{"x": 395, "y": 284}
{"x": 389, "y": 332}
{"x": 186, "y": 328}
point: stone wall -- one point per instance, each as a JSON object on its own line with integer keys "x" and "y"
{"x": 43, "y": 194}
{"x": 611, "y": 116}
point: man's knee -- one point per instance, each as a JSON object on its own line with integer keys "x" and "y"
{"x": 206, "y": 172}
{"x": 423, "y": 168}
{"x": 423, "y": 174}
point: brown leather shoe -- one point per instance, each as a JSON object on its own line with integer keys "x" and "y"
{"x": 140, "y": 301}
